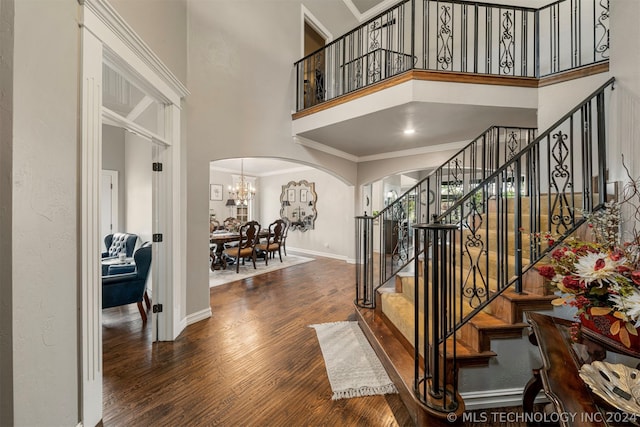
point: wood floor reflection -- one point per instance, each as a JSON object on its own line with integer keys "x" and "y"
{"x": 255, "y": 362}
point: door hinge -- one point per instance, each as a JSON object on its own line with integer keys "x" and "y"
{"x": 157, "y": 237}
{"x": 157, "y": 167}
{"x": 157, "y": 308}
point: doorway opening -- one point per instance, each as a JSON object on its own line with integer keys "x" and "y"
{"x": 315, "y": 37}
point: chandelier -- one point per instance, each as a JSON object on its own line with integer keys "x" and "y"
{"x": 243, "y": 191}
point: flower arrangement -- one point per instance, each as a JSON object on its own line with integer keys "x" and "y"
{"x": 602, "y": 278}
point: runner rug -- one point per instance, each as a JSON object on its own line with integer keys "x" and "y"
{"x": 353, "y": 368}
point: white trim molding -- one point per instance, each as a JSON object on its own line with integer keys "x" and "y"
{"x": 309, "y": 143}
{"x": 198, "y": 316}
{"x": 317, "y": 253}
{"x": 308, "y": 17}
{"x": 496, "y": 398}
{"x": 116, "y": 25}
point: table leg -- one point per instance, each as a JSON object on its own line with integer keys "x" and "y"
{"x": 217, "y": 260}
{"x": 531, "y": 390}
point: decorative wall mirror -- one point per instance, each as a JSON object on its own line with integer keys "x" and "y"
{"x": 298, "y": 205}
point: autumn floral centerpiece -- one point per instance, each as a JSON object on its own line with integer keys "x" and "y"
{"x": 601, "y": 279}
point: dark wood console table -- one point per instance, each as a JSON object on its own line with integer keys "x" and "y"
{"x": 559, "y": 376}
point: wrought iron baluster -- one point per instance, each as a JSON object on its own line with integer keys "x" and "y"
{"x": 602, "y": 26}
{"x": 507, "y": 45}
{"x": 561, "y": 215}
{"x": 445, "y": 37}
{"x": 475, "y": 287}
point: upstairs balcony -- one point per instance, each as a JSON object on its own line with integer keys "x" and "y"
{"x": 418, "y": 58}
{"x": 462, "y": 37}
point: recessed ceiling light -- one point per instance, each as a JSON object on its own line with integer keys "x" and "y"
{"x": 409, "y": 131}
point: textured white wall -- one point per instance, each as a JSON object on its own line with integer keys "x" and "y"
{"x": 162, "y": 24}
{"x": 45, "y": 220}
{"x": 241, "y": 57}
{"x": 625, "y": 67}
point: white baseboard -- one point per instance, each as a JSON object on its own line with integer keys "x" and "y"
{"x": 322, "y": 254}
{"x": 496, "y": 398}
{"x": 198, "y": 316}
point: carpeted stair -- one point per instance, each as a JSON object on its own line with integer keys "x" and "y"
{"x": 502, "y": 318}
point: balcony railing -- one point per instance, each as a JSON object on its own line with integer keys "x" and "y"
{"x": 456, "y": 36}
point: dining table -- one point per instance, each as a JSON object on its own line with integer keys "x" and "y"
{"x": 217, "y": 241}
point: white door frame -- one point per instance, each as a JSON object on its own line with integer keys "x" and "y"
{"x": 105, "y": 34}
{"x": 114, "y": 199}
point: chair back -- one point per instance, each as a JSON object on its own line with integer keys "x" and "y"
{"x": 120, "y": 242}
{"x": 249, "y": 234}
{"x": 276, "y": 231}
{"x": 142, "y": 258}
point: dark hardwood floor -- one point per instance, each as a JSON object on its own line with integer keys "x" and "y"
{"x": 255, "y": 362}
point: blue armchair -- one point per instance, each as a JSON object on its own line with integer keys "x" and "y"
{"x": 118, "y": 242}
{"x": 127, "y": 288}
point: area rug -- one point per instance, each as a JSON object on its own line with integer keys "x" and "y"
{"x": 220, "y": 277}
{"x": 353, "y": 368}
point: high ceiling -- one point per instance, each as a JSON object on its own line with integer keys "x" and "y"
{"x": 364, "y": 5}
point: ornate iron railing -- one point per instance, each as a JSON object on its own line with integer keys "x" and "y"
{"x": 385, "y": 241}
{"x": 494, "y": 233}
{"x": 456, "y": 36}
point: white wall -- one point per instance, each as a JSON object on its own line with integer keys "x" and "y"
{"x": 162, "y": 24}
{"x": 44, "y": 277}
{"x": 138, "y": 187}
{"x": 625, "y": 68}
{"x": 113, "y": 158}
{"x": 241, "y": 57}
{"x": 333, "y": 234}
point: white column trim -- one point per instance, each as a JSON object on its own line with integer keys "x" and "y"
{"x": 90, "y": 292}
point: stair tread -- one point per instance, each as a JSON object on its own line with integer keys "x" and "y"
{"x": 484, "y": 320}
{"x": 512, "y": 295}
{"x": 464, "y": 351}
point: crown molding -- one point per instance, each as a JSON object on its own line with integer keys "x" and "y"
{"x": 305, "y": 142}
{"x": 381, "y": 156}
{"x": 112, "y": 20}
{"x": 414, "y": 151}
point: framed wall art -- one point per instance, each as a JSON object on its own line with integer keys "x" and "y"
{"x": 215, "y": 192}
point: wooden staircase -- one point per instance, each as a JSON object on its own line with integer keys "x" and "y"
{"x": 390, "y": 326}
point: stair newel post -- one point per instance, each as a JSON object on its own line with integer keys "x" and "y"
{"x": 435, "y": 392}
{"x": 420, "y": 236}
{"x": 365, "y": 296}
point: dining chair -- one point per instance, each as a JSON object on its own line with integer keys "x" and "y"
{"x": 247, "y": 242}
{"x": 283, "y": 240}
{"x": 273, "y": 241}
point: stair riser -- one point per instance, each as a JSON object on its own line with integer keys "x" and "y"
{"x": 407, "y": 290}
